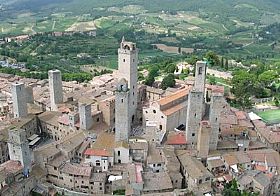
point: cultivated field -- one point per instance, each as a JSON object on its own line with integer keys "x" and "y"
{"x": 271, "y": 116}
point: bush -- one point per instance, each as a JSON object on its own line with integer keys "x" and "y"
{"x": 168, "y": 81}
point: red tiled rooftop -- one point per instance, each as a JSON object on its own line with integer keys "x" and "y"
{"x": 64, "y": 119}
{"x": 261, "y": 168}
{"x": 176, "y": 139}
{"x": 64, "y": 109}
{"x": 216, "y": 88}
{"x": 11, "y": 166}
{"x": 97, "y": 152}
{"x": 175, "y": 96}
{"x": 77, "y": 169}
{"x": 228, "y": 177}
{"x": 240, "y": 115}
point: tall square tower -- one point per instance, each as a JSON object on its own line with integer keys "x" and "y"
{"x": 86, "y": 120}
{"x": 19, "y": 100}
{"x": 19, "y": 149}
{"x": 55, "y": 87}
{"x": 127, "y": 68}
{"x": 122, "y": 115}
{"x": 196, "y": 105}
{"x": 200, "y": 76}
{"x": 216, "y": 106}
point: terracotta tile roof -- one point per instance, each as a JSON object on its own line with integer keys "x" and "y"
{"x": 179, "y": 94}
{"x": 76, "y": 169}
{"x": 228, "y": 177}
{"x": 226, "y": 144}
{"x": 230, "y": 159}
{"x": 228, "y": 119}
{"x": 271, "y": 136}
{"x": 155, "y": 155}
{"x": 64, "y": 119}
{"x": 245, "y": 123}
{"x": 260, "y": 168}
{"x": 193, "y": 167}
{"x": 176, "y": 139}
{"x": 259, "y": 124}
{"x": 241, "y": 115}
{"x": 216, "y": 88}
{"x": 174, "y": 109}
{"x": 11, "y": 166}
{"x": 97, "y": 152}
{"x": 215, "y": 163}
{"x": 106, "y": 141}
{"x": 155, "y": 182}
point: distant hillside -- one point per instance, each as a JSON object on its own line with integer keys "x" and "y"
{"x": 223, "y": 7}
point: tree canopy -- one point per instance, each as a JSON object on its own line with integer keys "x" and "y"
{"x": 168, "y": 81}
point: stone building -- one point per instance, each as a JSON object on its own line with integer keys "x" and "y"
{"x": 123, "y": 123}
{"x": 107, "y": 107}
{"x": 55, "y": 88}
{"x": 86, "y": 120}
{"x": 197, "y": 177}
{"x": 204, "y": 135}
{"x": 127, "y": 68}
{"x": 29, "y": 94}
{"x": 167, "y": 113}
{"x": 216, "y": 106}
{"x": 19, "y": 149}
{"x": 19, "y": 100}
{"x": 200, "y": 76}
{"x": 196, "y": 104}
{"x": 138, "y": 150}
{"x": 173, "y": 167}
{"x": 194, "y": 116}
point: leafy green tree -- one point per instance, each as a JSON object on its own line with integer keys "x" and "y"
{"x": 149, "y": 80}
{"x": 170, "y": 68}
{"x": 193, "y": 60}
{"x": 153, "y": 72}
{"x": 226, "y": 64}
{"x": 168, "y": 81}
{"x": 141, "y": 76}
{"x": 212, "y": 58}
{"x": 243, "y": 86}
{"x": 212, "y": 80}
{"x": 267, "y": 77}
{"x": 231, "y": 189}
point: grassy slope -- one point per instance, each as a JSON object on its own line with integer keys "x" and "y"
{"x": 271, "y": 116}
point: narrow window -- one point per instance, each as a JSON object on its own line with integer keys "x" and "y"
{"x": 200, "y": 70}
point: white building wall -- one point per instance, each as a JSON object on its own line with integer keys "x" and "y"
{"x": 105, "y": 162}
{"x": 121, "y": 155}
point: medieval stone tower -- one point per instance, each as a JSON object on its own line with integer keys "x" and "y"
{"x": 216, "y": 105}
{"x": 200, "y": 76}
{"x": 122, "y": 114}
{"x": 55, "y": 87}
{"x": 196, "y": 105}
{"x": 29, "y": 94}
{"x": 19, "y": 149}
{"x": 19, "y": 100}
{"x": 127, "y": 68}
{"x": 203, "y": 139}
{"x": 86, "y": 120}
